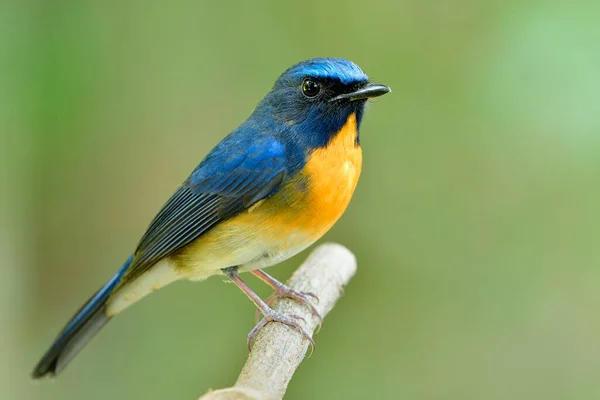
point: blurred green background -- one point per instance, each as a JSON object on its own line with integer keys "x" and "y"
{"x": 476, "y": 222}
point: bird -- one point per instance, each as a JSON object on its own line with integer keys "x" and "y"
{"x": 267, "y": 191}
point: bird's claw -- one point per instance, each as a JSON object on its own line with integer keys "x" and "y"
{"x": 289, "y": 320}
{"x": 301, "y": 297}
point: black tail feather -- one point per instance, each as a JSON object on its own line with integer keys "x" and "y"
{"x": 66, "y": 347}
{"x": 80, "y": 330}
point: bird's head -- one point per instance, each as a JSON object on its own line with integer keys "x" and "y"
{"x": 312, "y": 100}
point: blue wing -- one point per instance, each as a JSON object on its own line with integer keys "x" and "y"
{"x": 240, "y": 171}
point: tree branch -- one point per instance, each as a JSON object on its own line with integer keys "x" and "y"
{"x": 279, "y": 349}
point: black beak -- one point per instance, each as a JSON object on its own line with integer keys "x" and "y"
{"x": 366, "y": 92}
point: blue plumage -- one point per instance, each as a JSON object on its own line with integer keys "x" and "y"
{"x": 309, "y": 124}
{"x": 250, "y": 161}
{"x": 345, "y": 71}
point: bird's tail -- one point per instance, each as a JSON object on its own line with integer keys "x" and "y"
{"x": 80, "y": 329}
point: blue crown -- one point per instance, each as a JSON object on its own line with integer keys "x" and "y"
{"x": 327, "y": 68}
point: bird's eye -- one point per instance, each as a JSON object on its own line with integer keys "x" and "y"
{"x": 310, "y": 88}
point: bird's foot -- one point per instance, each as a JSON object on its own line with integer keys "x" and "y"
{"x": 282, "y": 290}
{"x": 269, "y": 314}
{"x": 300, "y": 297}
{"x": 290, "y": 320}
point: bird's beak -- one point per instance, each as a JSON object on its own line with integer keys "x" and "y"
{"x": 366, "y": 92}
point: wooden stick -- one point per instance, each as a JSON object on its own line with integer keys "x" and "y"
{"x": 279, "y": 349}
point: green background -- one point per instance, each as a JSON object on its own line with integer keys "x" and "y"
{"x": 476, "y": 222}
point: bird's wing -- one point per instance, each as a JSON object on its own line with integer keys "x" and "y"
{"x": 233, "y": 177}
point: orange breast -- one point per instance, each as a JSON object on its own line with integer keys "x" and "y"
{"x": 318, "y": 196}
{"x": 333, "y": 173}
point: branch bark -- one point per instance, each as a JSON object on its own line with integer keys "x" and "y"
{"x": 279, "y": 349}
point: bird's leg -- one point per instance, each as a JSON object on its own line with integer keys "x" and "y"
{"x": 282, "y": 290}
{"x": 269, "y": 314}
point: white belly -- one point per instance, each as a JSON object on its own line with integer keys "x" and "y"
{"x": 161, "y": 274}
